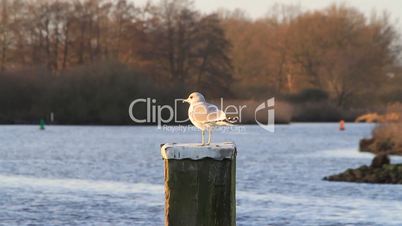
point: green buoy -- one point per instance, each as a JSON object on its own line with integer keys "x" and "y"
{"x": 42, "y": 124}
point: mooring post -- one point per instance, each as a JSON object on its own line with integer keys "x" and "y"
{"x": 200, "y": 184}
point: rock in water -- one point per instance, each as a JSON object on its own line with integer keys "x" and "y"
{"x": 387, "y": 174}
{"x": 380, "y": 160}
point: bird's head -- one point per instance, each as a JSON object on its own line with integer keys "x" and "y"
{"x": 195, "y": 98}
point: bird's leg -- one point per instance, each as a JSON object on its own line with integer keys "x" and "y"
{"x": 209, "y": 136}
{"x": 202, "y": 137}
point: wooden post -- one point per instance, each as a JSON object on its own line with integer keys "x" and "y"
{"x": 200, "y": 184}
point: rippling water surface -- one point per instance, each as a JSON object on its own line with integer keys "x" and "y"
{"x": 73, "y": 175}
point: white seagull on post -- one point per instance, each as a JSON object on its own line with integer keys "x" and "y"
{"x": 206, "y": 116}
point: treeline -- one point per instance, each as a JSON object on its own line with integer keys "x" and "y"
{"x": 86, "y": 60}
{"x": 171, "y": 42}
{"x": 337, "y": 50}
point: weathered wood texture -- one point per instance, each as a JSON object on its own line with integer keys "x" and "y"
{"x": 200, "y": 192}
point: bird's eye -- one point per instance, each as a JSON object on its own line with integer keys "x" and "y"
{"x": 191, "y": 97}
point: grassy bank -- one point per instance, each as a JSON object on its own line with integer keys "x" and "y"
{"x": 386, "y": 140}
{"x": 387, "y": 136}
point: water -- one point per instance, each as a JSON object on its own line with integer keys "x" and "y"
{"x": 72, "y": 175}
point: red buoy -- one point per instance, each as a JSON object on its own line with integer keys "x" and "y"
{"x": 342, "y": 125}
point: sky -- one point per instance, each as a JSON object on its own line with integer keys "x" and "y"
{"x": 258, "y": 8}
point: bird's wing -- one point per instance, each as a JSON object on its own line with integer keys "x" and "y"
{"x": 206, "y": 113}
{"x": 214, "y": 114}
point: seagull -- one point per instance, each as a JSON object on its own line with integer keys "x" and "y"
{"x": 206, "y": 116}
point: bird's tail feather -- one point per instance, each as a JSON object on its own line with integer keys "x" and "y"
{"x": 223, "y": 123}
{"x": 229, "y": 121}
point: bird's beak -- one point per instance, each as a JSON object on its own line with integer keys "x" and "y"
{"x": 185, "y": 101}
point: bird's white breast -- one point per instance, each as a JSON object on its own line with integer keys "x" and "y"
{"x": 199, "y": 125}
